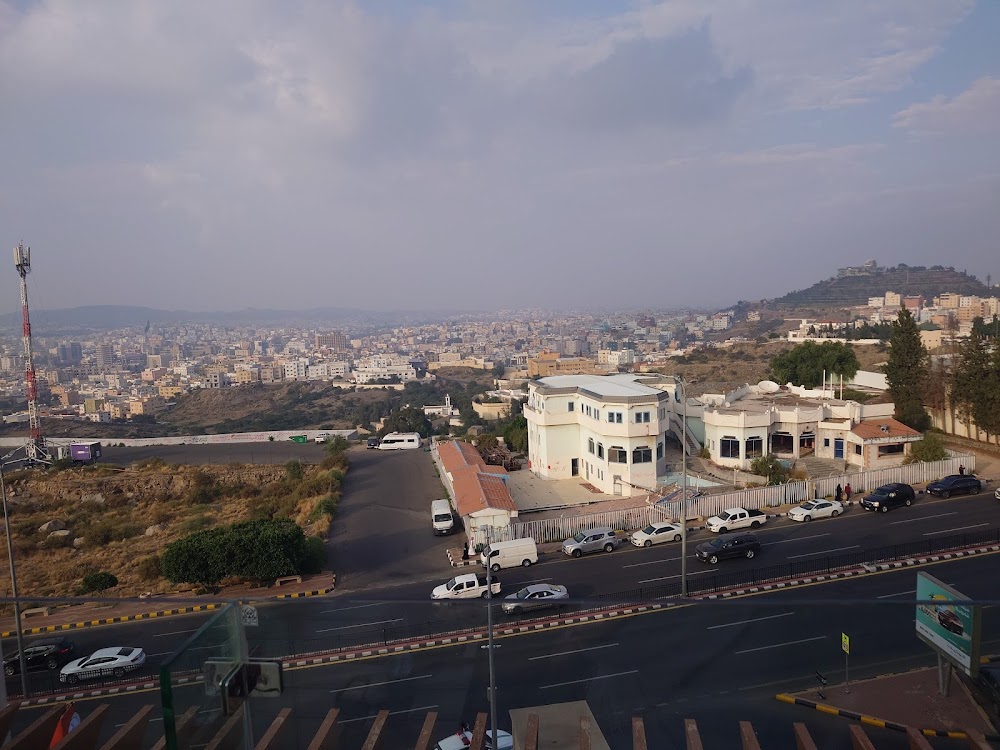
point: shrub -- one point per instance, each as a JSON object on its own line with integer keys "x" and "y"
{"x": 314, "y": 559}
{"x": 108, "y": 530}
{"x": 931, "y": 448}
{"x": 704, "y": 453}
{"x": 100, "y": 581}
{"x": 149, "y": 568}
{"x": 294, "y": 471}
{"x": 196, "y": 523}
{"x": 204, "y": 489}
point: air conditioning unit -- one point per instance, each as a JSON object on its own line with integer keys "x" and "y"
{"x": 884, "y": 427}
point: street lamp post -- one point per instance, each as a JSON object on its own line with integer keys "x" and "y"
{"x": 13, "y": 583}
{"x": 490, "y": 647}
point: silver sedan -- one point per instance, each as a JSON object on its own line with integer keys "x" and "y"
{"x": 816, "y": 509}
{"x": 535, "y": 596}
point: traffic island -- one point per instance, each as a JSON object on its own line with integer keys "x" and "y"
{"x": 898, "y": 701}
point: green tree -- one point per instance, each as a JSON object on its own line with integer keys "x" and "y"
{"x": 98, "y": 582}
{"x": 804, "y": 364}
{"x": 265, "y": 549}
{"x": 199, "y": 558}
{"x": 931, "y": 448}
{"x": 971, "y": 380}
{"x": 768, "y": 466}
{"x": 408, "y": 419}
{"x": 906, "y": 372}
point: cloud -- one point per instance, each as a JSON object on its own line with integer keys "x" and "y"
{"x": 976, "y": 110}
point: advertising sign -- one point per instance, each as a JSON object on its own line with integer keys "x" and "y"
{"x": 947, "y": 622}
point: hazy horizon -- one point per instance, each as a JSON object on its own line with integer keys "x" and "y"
{"x": 471, "y": 157}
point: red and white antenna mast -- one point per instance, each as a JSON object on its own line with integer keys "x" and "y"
{"x": 35, "y": 449}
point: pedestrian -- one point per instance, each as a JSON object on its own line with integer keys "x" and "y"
{"x": 961, "y": 470}
{"x": 848, "y": 492}
{"x": 840, "y": 493}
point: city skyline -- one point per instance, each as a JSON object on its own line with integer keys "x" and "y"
{"x": 458, "y": 156}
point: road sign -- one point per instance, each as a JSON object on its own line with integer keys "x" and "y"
{"x": 845, "y": 643}
{"x": 249, "y": 615}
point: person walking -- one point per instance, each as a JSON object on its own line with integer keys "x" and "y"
{"x": 848, "y": 492}
{"x": 840, "y": 493}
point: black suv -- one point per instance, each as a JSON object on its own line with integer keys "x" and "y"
{"x": 728, "y": 545}
{"x": 889, "y": 496}
{"x": 956, "y": 484}
{"x": 373, "y": 442}
{"x": 45, "y": 653}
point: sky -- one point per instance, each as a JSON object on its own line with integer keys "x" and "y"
{"x": 490, "y": 154}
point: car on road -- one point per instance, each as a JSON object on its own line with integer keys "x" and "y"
{"x": 655, "y": 533}
{"x": 996, "y": 493}
{"x": 535, "y": 596}
{"x": 466, "y": 586}
{"x": 105, "y": 662}
{"x": 743, "y": 544}
{"x": 955, "y": 484}
{"x": 889, "y": 496}
{"x": 463, "y": 738}
{"x": 45, "y": 653}
{"x": 816, "y": 509}
{"x": 373, "y": 443}
{"x": 591, "y": 540}
{"x": 322, "y": 437}
{"x": 732, "y": 519}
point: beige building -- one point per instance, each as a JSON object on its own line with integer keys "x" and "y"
{"x": 893, "y": 299}
{"x": 551, "y": 363}
{"x": 491, "y": 411}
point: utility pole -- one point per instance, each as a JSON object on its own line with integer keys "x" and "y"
{"x": 490, "y": 647}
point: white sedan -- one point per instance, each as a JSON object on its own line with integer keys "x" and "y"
{"x": 816, "y": 509}
{"x": 656, "y": 533}
{"x": 105, "y": 662}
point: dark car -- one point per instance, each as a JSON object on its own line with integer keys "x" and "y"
{"x": 889, "y": 496}
{"x": 956, "y": 484}
{"x": 373, "y": 442}
{"x": 45, "y": 653}
{"x": 728, "y": 545}
{"x": 989, "y": 683}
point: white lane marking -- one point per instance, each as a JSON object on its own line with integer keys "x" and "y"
{"x": 667, "y": 578}
{"x": 567, "y": 653}
{"x": 744, "y": 622}
{"x": 359, "y": 625}
{"x": 652, "y": 562}
{"x": 176, "y": 632}
{"x": 376, "y": 684}
{"x": 898, "y": 593}
{"x": 537, "y": 580}
{"x": 589, "y": 679}
{"x": 799, "y": 538}
{"x": 344, "y": 609}
{"x": 924, "y": 518}
{"x": 823, "y": 551}
{"x": 162, "y": 653}
{"x": 391, "y": 713}
{"x": 780, "y": 645}
{"x": 960, "y": 528}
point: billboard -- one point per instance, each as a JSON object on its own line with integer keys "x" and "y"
{"x": 947, "y": 622}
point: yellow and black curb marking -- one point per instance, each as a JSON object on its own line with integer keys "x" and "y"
{"x": 300, "y": 594}
{"x": 871, "y": 720}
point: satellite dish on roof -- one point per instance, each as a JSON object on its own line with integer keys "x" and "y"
{"x": 768, "y": 386}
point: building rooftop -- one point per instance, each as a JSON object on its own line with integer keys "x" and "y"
{"x": 885, "y": 427}
{"x": 624, "y": 384}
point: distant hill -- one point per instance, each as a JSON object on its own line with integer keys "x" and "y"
{"x": 907, "y": 280}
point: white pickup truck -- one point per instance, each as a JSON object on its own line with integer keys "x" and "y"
{"x": 736, "y": 518}
{"x": 467, "y": 586}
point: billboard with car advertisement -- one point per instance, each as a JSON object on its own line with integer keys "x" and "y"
{"x": 948, "y": 622}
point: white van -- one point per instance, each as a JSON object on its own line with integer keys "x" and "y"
{"x": 510, "y": 554}
{"x": 441, "y": 517}
{"x": 398, "y": 441}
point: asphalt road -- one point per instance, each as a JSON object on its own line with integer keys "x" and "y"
{"x": 211, "y": 453}
{"x": 716, "y": 662}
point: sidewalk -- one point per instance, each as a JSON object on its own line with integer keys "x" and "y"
{"x": 90, "y": 614}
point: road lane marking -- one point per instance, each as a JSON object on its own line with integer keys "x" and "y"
{"x": 577, "y": 651}
{"x": 799, "y": 538}
{"x": 344, "y": 609}
{"x": 667, "y": 578}
{"x": 960, "y": 528}
{"x": 391, "y": 713}
{"x": 360, "y": 625}
{"x": 657, "y": 562}
{"x": 823, "y": 551}
{"x": 924, "y": 518}
{"x": 898, "y": 593}
{"x": 376, "y": 684}
{"x": 176, "y": 632}
{"x": 589, "y": 679}
{"x": 780, "y": 645}
{"x": 537, "y": 580}
{"x": 744, "y": 622}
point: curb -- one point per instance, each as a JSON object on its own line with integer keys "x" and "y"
{"x": 459, "y": 563}
{"x": 161, "y": 613}
{"x": 865, "y": 570}
{"x": 871, "y": 720}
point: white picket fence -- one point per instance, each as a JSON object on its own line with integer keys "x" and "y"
{"x": 919, "y": 473}
{"x": 755, "y": 498}
{"x": 557, "y": 529}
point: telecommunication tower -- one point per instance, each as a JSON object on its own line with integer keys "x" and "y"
{"x": 35, "y": 449}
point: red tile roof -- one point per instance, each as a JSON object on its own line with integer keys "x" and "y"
{"x": 477, "y": 486}
{"x": 455, "y": 454}
{"x": 871, "y": 429}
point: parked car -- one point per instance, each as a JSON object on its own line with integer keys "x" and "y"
{"x": 816, "y": 509}
{"x": 592, "y": 540}
{"x": 744, "y": 544}
{"x": 955, "y": 484}
{"x": 373, "y": 442}
{"x": 535, "y": 596}
{"x": 45, "y": 653}
{"x": 463, "y": 738}
{"x": 322, "y": 437}
{"x": 105, "y": 662}
{"x": 889, "y": 496}
{"x": 656, "y": 533}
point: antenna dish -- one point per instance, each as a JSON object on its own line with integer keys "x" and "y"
{"x": 768, "y": 386}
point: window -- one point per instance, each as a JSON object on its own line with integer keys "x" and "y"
{"x": 600, "y": 450}
{"x": 659, "y": 451}
{"x": 586, "y": 409}
{"x": 642, "y": 455}
{"x": 617, "y": 455}
{"x": 755, "y": 447}
{"x": 571, "y": 406}
{"x": 615, "y": 416}
{"x": 597, "y": 413}
{"x": 590, "y": 445}
{"x": 729, "y": 447}
{"x": 826, "y": 442}
{"x": 641, "y": 417}
{"x": 663, "y": 413}
{"x": 857, "y": 449}
{"x": 890, "y": 450}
